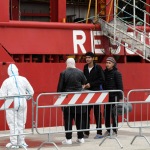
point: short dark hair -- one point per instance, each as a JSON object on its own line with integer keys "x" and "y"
{"x": 91, "y": 54}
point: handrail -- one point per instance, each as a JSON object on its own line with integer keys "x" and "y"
{"x": 109, "y": 10}
{"x": 105, "y": 27}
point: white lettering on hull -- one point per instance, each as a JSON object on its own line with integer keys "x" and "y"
{"x": 96, "y": 42}
{"x": 80, "y": 39}
{"x": 79, "y": 42}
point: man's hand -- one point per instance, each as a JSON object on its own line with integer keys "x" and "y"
{"x": 87, "y": 86}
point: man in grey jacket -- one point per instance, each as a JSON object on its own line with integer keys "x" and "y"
{"x": 72, "y": 80}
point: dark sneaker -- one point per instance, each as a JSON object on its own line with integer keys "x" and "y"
{"x": 98, "y": 136}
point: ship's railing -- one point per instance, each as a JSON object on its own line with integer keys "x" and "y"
{"x": 116, "y": 30}
{"x": 10, "y": 109}
{"x": 135, "y": 17}
{"x": 137, "y": 9}
{"x": 50, "y": 108}
{"x": 141, "y": 111}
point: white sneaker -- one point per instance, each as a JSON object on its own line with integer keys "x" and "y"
{"x": 9, "y": 145}
{"x": 80, "y": 140}
{"x": 68, "y": 142}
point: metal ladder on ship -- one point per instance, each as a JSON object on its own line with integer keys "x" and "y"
{"x": 116, "y": 30}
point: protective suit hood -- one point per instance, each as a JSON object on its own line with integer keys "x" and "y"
{"x": 12, "y": 70}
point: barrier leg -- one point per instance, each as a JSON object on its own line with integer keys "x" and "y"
{"x": 111, "y": 137}
{"x": 146, "y": 139}
{"x": 48, "y": 142}
{"x": 134, "y": 138}
{"x": 140, "y": 135}
{"x": 103, "y": 141}
{"x": 118, "y": 142}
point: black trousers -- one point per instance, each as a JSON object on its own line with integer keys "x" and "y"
{"x": 110, "y": 117}
{"x": 68, "y": 120}
{"x": 97, "y": 115}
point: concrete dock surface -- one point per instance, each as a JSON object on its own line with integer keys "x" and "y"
{"x": 124, "y": 137}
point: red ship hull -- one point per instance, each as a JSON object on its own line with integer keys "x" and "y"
{"x": 39, "y": 48}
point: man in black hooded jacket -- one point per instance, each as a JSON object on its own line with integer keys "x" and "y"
{"x": 113, "y": 81}
{"x": 95, "y": 79}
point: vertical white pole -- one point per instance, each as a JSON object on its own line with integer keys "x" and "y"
{"x": 115, "y": 22}
{"x": 144, "y": 39}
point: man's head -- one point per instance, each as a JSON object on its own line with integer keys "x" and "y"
{"x": 89, "y": 56}
{"x": 110, "y": 63}
{"x": 70, "y": 63}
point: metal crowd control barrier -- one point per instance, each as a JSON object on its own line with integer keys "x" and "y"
{"x": 116, "y": 116}
{"x": 140, "y": 100}
{"x": 49, "y": 114}
{"x": 8, "y": 103}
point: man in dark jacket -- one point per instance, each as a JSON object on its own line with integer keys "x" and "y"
{"x": 72, "y": 80}
{"x": 113, "y": 81}
{"x": 95, "y": 79}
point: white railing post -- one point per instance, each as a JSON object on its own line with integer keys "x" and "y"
{"x": 115, "y": 20}
{"x": 144, "y": 39}
{"x": 134, "y": 17}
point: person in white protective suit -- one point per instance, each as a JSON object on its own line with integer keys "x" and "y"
{"x": 16, "y": 118}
